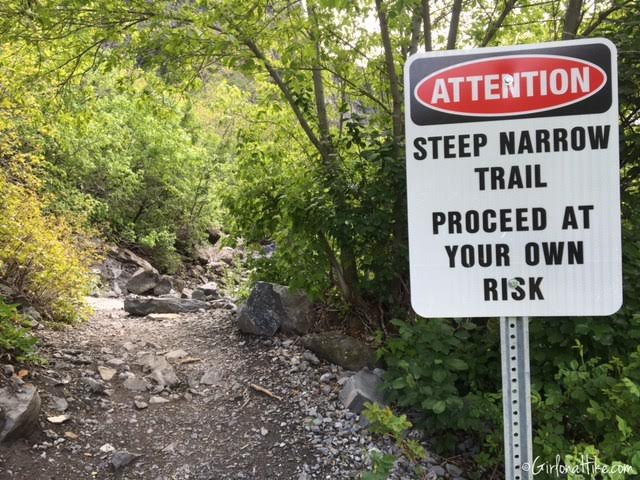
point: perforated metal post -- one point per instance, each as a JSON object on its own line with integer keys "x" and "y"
{"x": 516, "y": 393}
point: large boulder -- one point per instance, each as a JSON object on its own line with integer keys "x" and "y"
{"x": 298, "y": 308}
{"x": 128, "y": 257}
{"x": 19, "y": 410}
{"x": 343, "y": 350}
{"x": 361, "y": 388}
{"x": 116, "y": 270}
{"x": 143, "y": 281}
{"x": 226, "y": 255}
{"x": 263, "y": 312}
{"x": 271, "y": 307}
{"x": 142, "y": 306}
{"x": 206, "y": 292}
{"x": 213, "y": 235}
{"x": 164, "y": 286}
{"x": 204, "y": 254}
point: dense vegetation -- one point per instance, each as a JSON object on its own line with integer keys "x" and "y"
{"x": 149, "y": 121}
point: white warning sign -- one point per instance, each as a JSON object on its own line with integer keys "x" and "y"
{"x": 513, "y": 181}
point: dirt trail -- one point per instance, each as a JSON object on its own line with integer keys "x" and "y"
{"x": 226, "y": 430}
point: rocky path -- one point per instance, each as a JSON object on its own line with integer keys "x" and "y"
{"x": 238, "y": 407}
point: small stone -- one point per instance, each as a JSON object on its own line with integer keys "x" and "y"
{"x": 107, "y": 448}
{"x": 136, "y": 384}
{"x": 140, "y": 405}
{"x": 106, "y": 373}
{"x": 128, "y": 346}
{"x": 70, "y": 435}
{"x": 121, "y": 459}
{"x": 264, "y": 432}
{"x": 212, "y": 377}
{"x": 326, "y": 377}
{"x": 176, "y": 355}
{"x": 453, "y": 470}
{"x": 311, "y": 357}
{"x": 58, "y": 419}
{"x": 438, "y": 471}
{"x": 156, "y": 400}
{"x": 8, "y": 370}
{"x": 115, "y": 362}
{"x": 159, "y": 317}
{"x": 58, "y": 403}
{"x": 92, "y": 385}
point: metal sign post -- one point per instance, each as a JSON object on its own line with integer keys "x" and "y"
{"x": 516, "y": 397}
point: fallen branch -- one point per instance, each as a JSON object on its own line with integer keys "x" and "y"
{"x": 187, "y": 360}
{"x": 268, "y": 393}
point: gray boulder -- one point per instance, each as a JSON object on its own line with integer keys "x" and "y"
{"x": 209, "y": 289}
{"x": 143, "y": 281}
{"x": 343, "y": 350}
{"x": 213, "y": 235}
{"x": 360, "y": 388}
{"x": 263, "y": 313}
{"x": 271, "y": 307}
{"x": 204, "y": 254}
{"x": 164, "y": 286}
{"x": 128, "y": 257}
{"x": 298, "y": 308}
{"x": 19, "y": 412}
{"x": 142, "y": 306}
{"x": 226, "y": 255}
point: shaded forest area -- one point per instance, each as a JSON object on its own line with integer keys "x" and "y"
{"x": 147, "y": 123}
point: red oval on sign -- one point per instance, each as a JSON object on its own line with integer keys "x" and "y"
{"x": 510, "y": 85}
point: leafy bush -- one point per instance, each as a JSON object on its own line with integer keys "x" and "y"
{"x": 40, "y": 256}
{"x": 448, "y": 373}
{"x": 382, "y": 421}
{"x": 14, "y": 339}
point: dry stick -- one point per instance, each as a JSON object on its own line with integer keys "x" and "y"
{"x": 268, "y": 393}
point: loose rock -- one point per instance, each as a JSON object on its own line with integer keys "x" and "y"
{"x": 348, "y": 352}
{"x": 176, "y": 355}
{"x": 106, "y": 373}
{"x": 136, "y": 384}
{"x": 212, "y": 377}
{"x": 161, "y": 370}
{"x": 263, "y": 312}
{"x": 143, "y": 281}
{"x": 363, "y": 387}
{"x": 19, "y": 412}
{"x": 58, "y": 403}
{"x": 163, "y": 287}
{"x": 121, "y": 459}
{"x": 156, "y": 400}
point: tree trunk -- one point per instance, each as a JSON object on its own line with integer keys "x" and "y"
{"x": 571, "y": 19}
{"x": 394, "y": 85}
{"x": 453, "y": 26}
{"x": 426, "y": 21}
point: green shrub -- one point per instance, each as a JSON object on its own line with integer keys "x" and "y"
{"x": 15, "y": 340}
{"x": 382, "y": 421}
{"x": 449, "y": 373}
{"x": 40, "y": 255}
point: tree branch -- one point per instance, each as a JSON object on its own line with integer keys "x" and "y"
{"x": 495, "y": 26}
{"x": 286, "y": 91}
{"x": 602, "y": 16}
